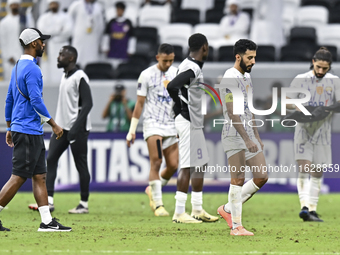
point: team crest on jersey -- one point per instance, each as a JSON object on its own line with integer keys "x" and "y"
{"x": 319, "y": 90}
{"x": 165, "y": 83}
{"x": 329, "y": 90}
{"x": 247, "y": 87}
{"x": 139, "y": 86}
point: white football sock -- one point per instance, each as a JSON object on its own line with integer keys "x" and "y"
{"x": 235, "y": 200}
{"x": 314, "y": 190}
{"x": 181, "y": 199}
{"x": 84, "y": 203}
{"x": 45, "y": 214}
{"x": 197, "y": 201}
{"x": 163, "y": 181}
{"x": 50, "y": 200}
{"x": 156, "y": 191}
{"x": 248, "y": 190}
{"x": 1, "y": 208}
{"x": 303, "y": 189}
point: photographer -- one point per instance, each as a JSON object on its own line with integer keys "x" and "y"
{"x": 118, "y": 110}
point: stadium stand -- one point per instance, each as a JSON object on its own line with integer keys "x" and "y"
{"x": 190, "y": 16}
{"x": 154, "y": 16}
{"x": 99, "y": 71}
{"x": 214, "y": 15}
{"x": 176, "y": 34}
{"x": 129, "y": 70}
{"x": 313, "y": 16}
{"x": 324, "y": 3}
{"x": 225, "y": 54}
{"x": 265, "y": 53}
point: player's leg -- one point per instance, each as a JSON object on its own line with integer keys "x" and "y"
{"x": 303, "y": 186}
{"x": 171, "y": 159}
{"x": 154, "y": 144}
{"x": 56, "y": 149}
{"x": 48, "y": 224}
{"x": 197, "y": 182}
{"x": 79, "y": 151}
{"x": 38, "y": 164}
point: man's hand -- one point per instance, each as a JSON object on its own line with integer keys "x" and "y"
{"x": 130, "y": 139}
{"x": 261, "y": 143}
{"x": 251, "y": 146}
{"x": 9, "y": 139}
{"x": 58, "y": 131}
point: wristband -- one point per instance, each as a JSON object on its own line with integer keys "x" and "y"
{"x": 8, "y": 129}
{"x": 133, "y": 127}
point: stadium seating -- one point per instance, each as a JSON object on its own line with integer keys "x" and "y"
{"x": 297, "y": 53}
{"x": 154, "y": 16}
{"x": 147, "y": 40}
{"x": 201, "y": 6}
{"x": 312, "y": 16}
{"x": 324, "y": 3}
{"x": 265, "y": 53}
{"x": 290, "y": 8}
{"x": 189, "y": 16}
{"x": 303, "y": 36}
{"x": 129, "y": 70}
{"x": 334, "y": 16}
{"x": 225, "y": 54}
{"x": 219, "y": 5}
{"x": 211, "y": 56}
{"x": 212, "y": 32}
{"x": 99, "y": 71}
{"x": 333, "y": 49}
{"x": 329, "y": 35}
{"x": 176, "y": 34}
{"x": 214, "y": 16}
{"x": 179, "y": 56}
{"x": 140, "y": 59}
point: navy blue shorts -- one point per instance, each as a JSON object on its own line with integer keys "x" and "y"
{"x": 28, "y": 155}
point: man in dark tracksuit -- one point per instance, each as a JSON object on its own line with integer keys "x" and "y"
{"x": 74, "y": 105}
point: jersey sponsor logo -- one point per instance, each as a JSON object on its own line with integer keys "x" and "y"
{"x": 139, "y": 86}
{"x": 162, "y": 99}
{"x": 319, "y": 90}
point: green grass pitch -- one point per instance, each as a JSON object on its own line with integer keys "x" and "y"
{"x": 122, "y": 223}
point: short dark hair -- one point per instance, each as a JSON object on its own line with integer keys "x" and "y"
{"x": 23, "y": 44}
{"x": 196, "y": 41}
{"x": 73, "y": 51}
{"x": 242, "y": 45}
{"x": 166, "y": 49}
{"x": 120, "y": 5}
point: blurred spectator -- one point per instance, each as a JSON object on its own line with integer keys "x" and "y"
{"x": 235, "y": 24}
{"x": 88, "y": 29}
{"x": 119, "y": 110}
{"x": 118, "y": 35}
{"x": 277, "y": 127}
{"x": 58, "y": 24}
{"x": 10, "y": 29}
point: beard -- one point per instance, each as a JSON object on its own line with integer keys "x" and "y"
{"x": 40, "y": 52}
{"x": 319, "y": 76}
{"x": 244, "y": 67}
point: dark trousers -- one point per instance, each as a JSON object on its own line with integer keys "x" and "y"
{"x": 79, "y": 151}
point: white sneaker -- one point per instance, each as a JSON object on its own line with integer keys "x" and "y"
{"x": 79, "y": 210}
{"x": 184, "y": 218}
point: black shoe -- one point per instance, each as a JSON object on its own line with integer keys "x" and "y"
{"x": 304, "y": 214}
{"x": 53, "y": 226}
{"x": 313, "y": 216}
{"x": 3, "y": 228}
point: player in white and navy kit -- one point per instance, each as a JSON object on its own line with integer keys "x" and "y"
{"x": 159, "y": 126}
{"x": 186, "y": 92}
{"x": 312, "y": 141}
{"x": 240, "y": 140}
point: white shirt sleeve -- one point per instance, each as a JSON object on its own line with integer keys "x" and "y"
{"x": 142, "y": 87}
{"x": 296, "y": 83}
{"x": 337, "y": 89}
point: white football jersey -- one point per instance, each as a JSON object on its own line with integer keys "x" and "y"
{"x": 324, "y": 92}
{"x": 243, "y": 81}
{"x": 191, "y": 95}
{"x": 158, "y": 112}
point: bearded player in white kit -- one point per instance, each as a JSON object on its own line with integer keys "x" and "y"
{"x": 159, "y": 125}
{"x": 312, "y": 141}
{"x": 241, "y": 142}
